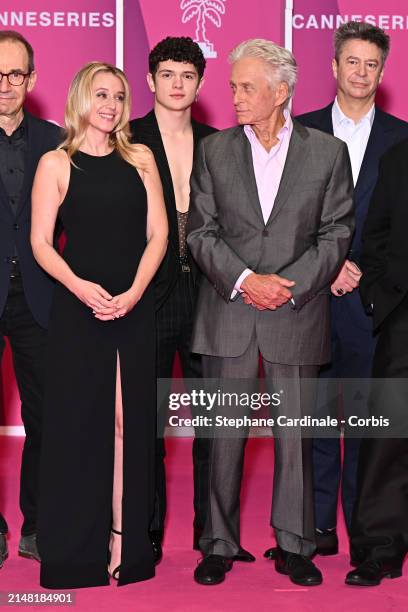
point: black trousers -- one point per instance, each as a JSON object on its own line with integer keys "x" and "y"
{"x": 380, "y": 519}
{"x": 174, "y": 329}
{"x": 28, "y": 345}
{"x": 353, "y": 348}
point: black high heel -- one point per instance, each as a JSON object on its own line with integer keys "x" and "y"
{"x": 116, "y": 571}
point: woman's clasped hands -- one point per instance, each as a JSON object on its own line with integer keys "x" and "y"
{"x": 105, "y": 307}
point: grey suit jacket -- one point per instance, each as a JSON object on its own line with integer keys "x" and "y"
{"x": 305, "y": 239}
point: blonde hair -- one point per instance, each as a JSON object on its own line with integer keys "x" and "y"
{"x": 78, "y": 107}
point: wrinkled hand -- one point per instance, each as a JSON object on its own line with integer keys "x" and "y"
{"x": 347, "y": 279}
{"x": 93, "y": 295}
{"x": 250, "y": 302}
{"x": 122, "y": 303}
{"x": 266, "y": 291}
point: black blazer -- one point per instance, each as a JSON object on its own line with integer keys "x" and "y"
{"x": 386, "y": 131}
{"x": 385, "y": 246}
{"x": 146, "y": 131}
{"x": 42, "y": 136}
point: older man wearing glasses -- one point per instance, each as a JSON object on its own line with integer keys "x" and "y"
{"x": 25, "y": 290}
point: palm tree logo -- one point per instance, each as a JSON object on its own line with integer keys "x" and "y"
{"x": 203, "y": 10}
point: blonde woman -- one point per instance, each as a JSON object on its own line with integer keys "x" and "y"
{"x": 96, "y": 477}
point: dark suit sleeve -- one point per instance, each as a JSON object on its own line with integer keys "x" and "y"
{"x": 214, "y": 256}
{"x": 53, "y": 135}
{"x": 318, "y": 265}
{"x": 376, "y": 232}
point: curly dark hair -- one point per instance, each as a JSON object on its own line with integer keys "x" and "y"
{"x": 178, "y": 49}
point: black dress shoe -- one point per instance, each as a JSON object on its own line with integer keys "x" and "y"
{"x": 301, "y": 570}
{"x": 212, "y": 569}
{"x": 242, "y": 555}
{"x": 271, "y": 553}
{"x": 371, "y": 572}
{"x": 27, "y": 547}
{"x": 327, "y": 542}
{"x": 156, "y": 538}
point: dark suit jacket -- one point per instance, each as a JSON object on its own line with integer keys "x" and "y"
{"x": 385, "y": 132}
{"x": 146, "y": 131}
{"x": 38, "y": 286}
{"x": 385, "y": 246}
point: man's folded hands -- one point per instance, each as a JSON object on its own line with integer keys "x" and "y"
{"x": 266, "y": 291}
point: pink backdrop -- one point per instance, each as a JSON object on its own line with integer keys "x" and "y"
{"x": 312, "y": 47}
{"x": 65, "y": 38}
{"x": 148, "y": 21}
{"x": 59, "y": 51}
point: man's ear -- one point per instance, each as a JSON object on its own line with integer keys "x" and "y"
{"x": 282, "y": 93}
{"x": 334, "y": 67}
{"x": 150, "y": 82}
{"x": 32, "y": 80}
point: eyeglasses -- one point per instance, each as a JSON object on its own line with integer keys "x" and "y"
{"x": 14, "y": 78}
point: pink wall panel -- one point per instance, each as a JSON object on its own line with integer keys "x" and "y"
{"x": 218, "y": 26}
{"x": 65, "y": 35}
{"x": 314, "y": 23}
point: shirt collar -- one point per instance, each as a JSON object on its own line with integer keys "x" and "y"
{"x": 339, "y": 117}
{"x": 284, "y": 131}
{"x": 19, "y": 133}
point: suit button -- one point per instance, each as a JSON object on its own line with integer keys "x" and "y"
{"x": 398, "y": 288}
{"x": 265, "y": 232}
{"x": 16, "y": 227}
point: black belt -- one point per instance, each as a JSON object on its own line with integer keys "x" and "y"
{"x": 15, "y": 268}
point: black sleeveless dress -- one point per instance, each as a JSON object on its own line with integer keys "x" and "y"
{"x": 104, "y": 217}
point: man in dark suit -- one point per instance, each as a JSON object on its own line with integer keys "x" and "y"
{"x": 25, "y": 289}
{"x": 176, "y": 69}
{"x": 270, "y": 223}
{"x": 379, "y": 528}
{"x": 360, "y": 53}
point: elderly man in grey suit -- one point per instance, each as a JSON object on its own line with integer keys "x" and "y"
{"x": 269, "y": 225}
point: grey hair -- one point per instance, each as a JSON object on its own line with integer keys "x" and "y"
{"x": 359, "y": 30}
{"x": 281, "y": 61}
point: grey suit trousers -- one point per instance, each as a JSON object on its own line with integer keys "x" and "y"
{"x": 292, "y": 499}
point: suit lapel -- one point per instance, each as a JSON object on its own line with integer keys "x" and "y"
{"x": 197, "y": 133}
{"x": 297, "y": 154}
{"x": 152, "y": 138}
{"x": 325, "y": 121}
{"x": 372, "y": 153}
{"x": 243, "y": 157}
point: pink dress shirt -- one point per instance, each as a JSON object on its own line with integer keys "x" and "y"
{"x": 268, "y": 169}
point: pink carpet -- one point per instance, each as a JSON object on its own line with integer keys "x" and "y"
{"x": 254, "y": 586}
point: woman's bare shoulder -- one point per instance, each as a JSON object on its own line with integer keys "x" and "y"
{"x": 54, "y": 160}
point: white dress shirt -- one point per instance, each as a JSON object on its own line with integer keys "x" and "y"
{"x": 355, "y": 135}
